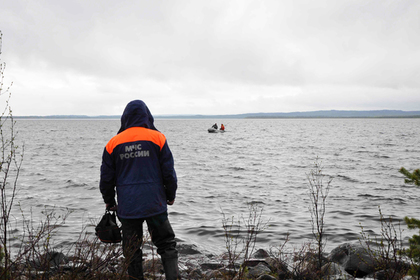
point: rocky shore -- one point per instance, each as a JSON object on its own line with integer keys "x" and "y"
{"x": 347, "y": 261}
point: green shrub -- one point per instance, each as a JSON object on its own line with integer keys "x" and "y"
{"x": 413, "y": 252}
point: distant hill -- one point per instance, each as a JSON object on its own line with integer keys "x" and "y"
{"x": 341, "y": 114}
{"x": 67, "y": 117}
{"x": 311, "y": 114}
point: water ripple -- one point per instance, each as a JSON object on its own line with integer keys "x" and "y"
{"x": 264, "y": 162}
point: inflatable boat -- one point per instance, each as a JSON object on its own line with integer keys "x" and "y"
{"x": 213, "y": 130}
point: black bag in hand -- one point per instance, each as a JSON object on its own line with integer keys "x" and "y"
{"x": 107, "y": 230}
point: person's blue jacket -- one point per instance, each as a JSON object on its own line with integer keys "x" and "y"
{"x": 138, "y": 164}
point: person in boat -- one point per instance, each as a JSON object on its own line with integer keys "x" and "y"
{"x": 138, "y": 166}
{"x": 222, "y": 127}
{"x": 215, "y": 126}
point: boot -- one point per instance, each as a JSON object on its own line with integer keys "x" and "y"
{"x": 135, "y": 268}
{"x": 171, "y": 268}
{"x": 135, "y": 272}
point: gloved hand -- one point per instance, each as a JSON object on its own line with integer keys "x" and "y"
{"x": 110, "y": 207}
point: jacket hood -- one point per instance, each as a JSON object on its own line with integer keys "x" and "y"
{"x": 136, "y": 114}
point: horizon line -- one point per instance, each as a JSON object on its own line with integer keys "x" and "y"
{"x": 318, "y": 113}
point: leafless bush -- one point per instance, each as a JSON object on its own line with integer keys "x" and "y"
{"x": 10, "y": 164}
{"x": 318, "y": 187}
{"x": 240, "y": 239}
{"x": 385, "y": 248}
{"x": 296, "y": 263}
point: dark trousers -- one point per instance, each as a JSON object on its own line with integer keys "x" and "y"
{"x": 163, "y": 237}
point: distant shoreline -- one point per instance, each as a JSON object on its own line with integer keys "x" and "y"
{"x": 207, "y": 118}
{"x": 331, "y": 114}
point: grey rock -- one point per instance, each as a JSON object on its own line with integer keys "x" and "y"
{"x": 355, "y": 259}
{"x": 266, "y": 277}
{"x": 214, "y": 274}
{"x": 211, "y": 266}
{"x": 188, "y": 249}
{"x": 256, "y": 271}
{"x": 334, "y": 271}
{"x": 50, "y": 259}
{"x": 385, "y": 275}
{"x": 254, "y": 262}
{"x": 260, "y": 254}
{"x": 195, "y": 274}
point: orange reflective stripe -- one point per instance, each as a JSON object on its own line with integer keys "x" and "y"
{"x": 134, "y": 134}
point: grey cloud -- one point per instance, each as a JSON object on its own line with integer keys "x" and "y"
{"x": 202, "y": 49}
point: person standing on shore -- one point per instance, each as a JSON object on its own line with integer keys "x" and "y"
{"x": 138, "y": 165}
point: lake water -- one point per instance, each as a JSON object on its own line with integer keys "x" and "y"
{"x": 265, "y": 162}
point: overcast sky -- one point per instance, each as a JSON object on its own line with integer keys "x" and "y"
{"x": 210, "y": 57}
